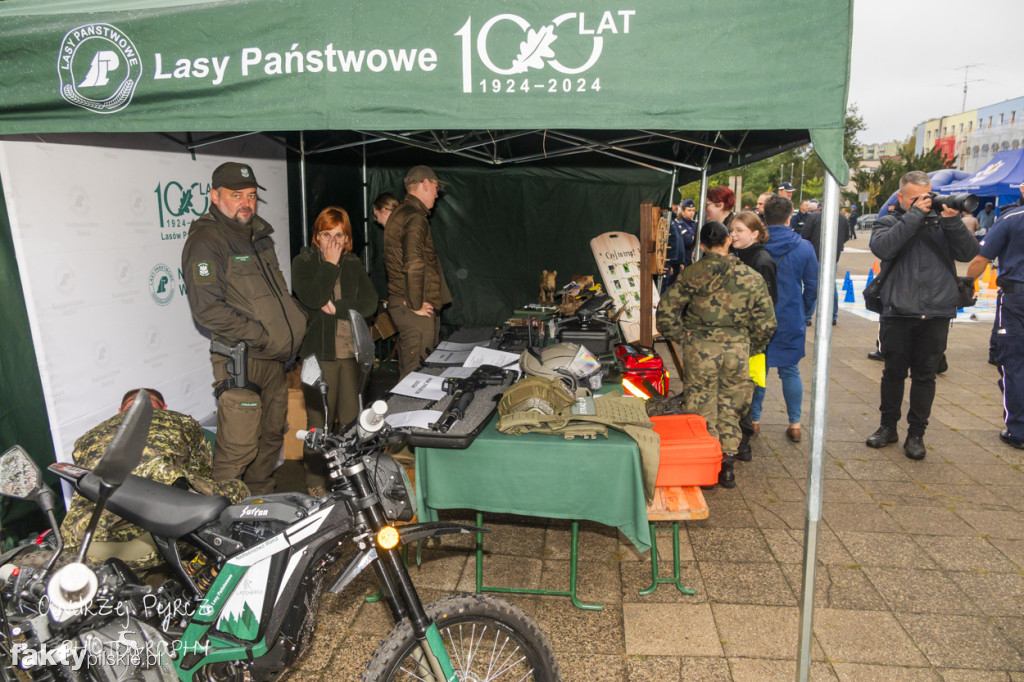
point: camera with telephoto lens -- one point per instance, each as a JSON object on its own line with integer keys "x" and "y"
{"x": 961, "y": 202}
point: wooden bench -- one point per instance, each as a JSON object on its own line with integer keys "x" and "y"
{"x": 675, "y": 504}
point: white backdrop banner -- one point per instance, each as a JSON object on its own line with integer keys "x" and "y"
{"x": 98, "y": 233}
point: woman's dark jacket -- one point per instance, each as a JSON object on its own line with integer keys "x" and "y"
{"x": 313, "y": 280}
{"x": 755, "y": 256}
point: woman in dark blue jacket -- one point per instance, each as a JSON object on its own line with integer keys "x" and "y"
{"x": 797, "y": 273}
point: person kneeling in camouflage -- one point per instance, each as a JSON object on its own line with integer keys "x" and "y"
{"x": 720, "y": 312}
{"x": 176, "y": 453}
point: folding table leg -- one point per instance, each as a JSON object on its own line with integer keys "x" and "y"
{"x": 573, "y": 559}
{"x": 677, "y": 577}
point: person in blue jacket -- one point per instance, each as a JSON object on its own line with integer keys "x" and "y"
{"x": 797, "y": 274}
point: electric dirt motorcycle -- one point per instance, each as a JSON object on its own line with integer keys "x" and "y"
{"x": 248, "y": 577}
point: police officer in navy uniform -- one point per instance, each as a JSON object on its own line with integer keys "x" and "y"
{"x": 1005, "y": 241}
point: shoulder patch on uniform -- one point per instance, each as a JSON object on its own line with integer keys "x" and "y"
{"x": 204, "y": 272}
{"x": 241, "y": 259}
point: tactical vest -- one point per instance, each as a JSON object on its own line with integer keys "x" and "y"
{"x": 583, "y": 418}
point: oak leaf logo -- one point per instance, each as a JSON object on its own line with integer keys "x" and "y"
{"x": 535, "y": 49}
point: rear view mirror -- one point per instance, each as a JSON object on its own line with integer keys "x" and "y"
{"x": 125, "y": 450}
{"x": 311, "y": 373}
{"x": 362, "y": 342}
{"x": 19, "y": 476}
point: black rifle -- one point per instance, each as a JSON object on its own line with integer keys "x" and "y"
{"x": 463, "y": 391}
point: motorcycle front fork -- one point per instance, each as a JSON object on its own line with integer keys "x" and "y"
{"x": 404, "y": 601}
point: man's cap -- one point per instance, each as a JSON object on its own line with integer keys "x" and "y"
{"x": 688, "y": 203}
{"x": 418, "y": 174}
{"x": 786, "y": 187}
{"x": 234, "y": 176}
{"x": 852, "y": 207}
{"x": 814, "y": 202}
{"x": 987, "y": 204}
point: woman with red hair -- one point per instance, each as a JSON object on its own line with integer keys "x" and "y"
{"x": 720, "y": 202}
{"x": 329, "y": 280}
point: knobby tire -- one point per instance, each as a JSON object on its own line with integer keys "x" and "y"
{"x": 487, "y": 639}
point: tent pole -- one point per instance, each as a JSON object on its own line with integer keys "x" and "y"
{"x": 703, "y": 205}
{"x": 302, "y": 183}
{"x": 819, "y": 416}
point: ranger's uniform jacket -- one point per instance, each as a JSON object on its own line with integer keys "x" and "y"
{"x": 414, "y": 271}
{"x": 236, "y": 289}
{"x": 718, "y": 299}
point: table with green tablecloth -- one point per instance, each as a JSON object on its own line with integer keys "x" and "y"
{"x": 539, "y": 475}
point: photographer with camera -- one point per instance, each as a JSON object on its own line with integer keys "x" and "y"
{"x": 917, "y": 243}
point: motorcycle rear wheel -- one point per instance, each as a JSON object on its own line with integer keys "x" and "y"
{"x": 487, "y": 639}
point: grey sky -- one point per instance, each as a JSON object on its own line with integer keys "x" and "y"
{"x": 908, "y": 56}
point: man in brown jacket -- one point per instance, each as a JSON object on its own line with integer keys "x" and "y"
{"x": 236, "y": 291}
{"x": 416, "y": 286}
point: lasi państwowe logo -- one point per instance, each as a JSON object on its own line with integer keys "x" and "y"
{"x": 98, "y": 67}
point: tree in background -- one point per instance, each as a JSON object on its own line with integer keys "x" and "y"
{"x": 765, "y": 175}
{"x": 884, "y": 180}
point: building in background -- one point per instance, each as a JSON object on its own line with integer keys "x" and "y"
{"x": 973, "y": 137}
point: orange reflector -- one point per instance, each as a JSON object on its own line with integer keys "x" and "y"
{"x": 387, "y": 537}
{"x": 634, "y": 390}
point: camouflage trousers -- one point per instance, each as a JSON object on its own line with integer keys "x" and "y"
{"x": 717, "y": 386}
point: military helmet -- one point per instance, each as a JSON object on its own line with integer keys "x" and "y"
{"x": 564, "y": 360}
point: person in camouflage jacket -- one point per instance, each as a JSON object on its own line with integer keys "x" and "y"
{"x": 176, "y": 453}
{"x": 720, "y": 312}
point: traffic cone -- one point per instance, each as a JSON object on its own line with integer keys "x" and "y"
{"x": 847, "y": 282}
{"x": 991, "y": 274}
{"x": 871, "y": 276}
{"x": 876, "y": 268}
{"x": 849, "y": 295}
{"x": 977, "y": 286}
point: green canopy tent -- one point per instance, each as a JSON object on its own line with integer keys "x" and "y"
{"x": 680, "y": 89}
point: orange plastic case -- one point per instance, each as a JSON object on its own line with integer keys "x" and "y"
{"x": 689, "y": 455}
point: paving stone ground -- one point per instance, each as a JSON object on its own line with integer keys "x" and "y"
{"x": 920, "y": 568}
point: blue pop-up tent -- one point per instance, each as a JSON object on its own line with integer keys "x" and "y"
{"x": 1000, "y": 179}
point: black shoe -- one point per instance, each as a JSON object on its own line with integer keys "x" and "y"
{"x": 726, "y": 477}
{"x": 835, "y": 322}
{"x": 743, "y": 452}
{"x": 876, "y": 355}
{"x": 882, "y": 437}
{"x": 1005, "y": 436}
{"x": 913, "y": 447}
{"x": 943, "y": 365}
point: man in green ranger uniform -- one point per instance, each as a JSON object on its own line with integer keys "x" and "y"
{"x": 417, "y": 289}
{"x": 236, "y": 291}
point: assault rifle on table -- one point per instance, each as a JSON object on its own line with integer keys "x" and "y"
{"x": 463, "y": 391}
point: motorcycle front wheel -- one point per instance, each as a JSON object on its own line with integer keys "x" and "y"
{"x": 486, "y": 638}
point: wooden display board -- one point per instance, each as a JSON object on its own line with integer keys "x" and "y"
{"x": 618, "y": 259}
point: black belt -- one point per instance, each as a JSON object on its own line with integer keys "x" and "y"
{"x": 1009, "y": 287}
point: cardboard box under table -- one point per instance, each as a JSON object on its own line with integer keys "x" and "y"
{"x": 542, "y": 476}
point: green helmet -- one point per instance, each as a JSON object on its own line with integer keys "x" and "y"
{"x": 569, "y": 361}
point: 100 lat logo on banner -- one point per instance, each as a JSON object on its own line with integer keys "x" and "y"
{"x": 537, "y": 50}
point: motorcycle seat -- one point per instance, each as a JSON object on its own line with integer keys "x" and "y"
{"x": 163, "y": 510}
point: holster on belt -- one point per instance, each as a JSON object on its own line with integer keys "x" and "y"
{"x": 236, "y": 367}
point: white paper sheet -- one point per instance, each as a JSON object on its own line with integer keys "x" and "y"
{"x": 447, "y": 357}
{"x": 415, "y": 419}
{"x": 451, "y": 345}
{"x": 419, "y": 385}
{"x": 489, "y": 356}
